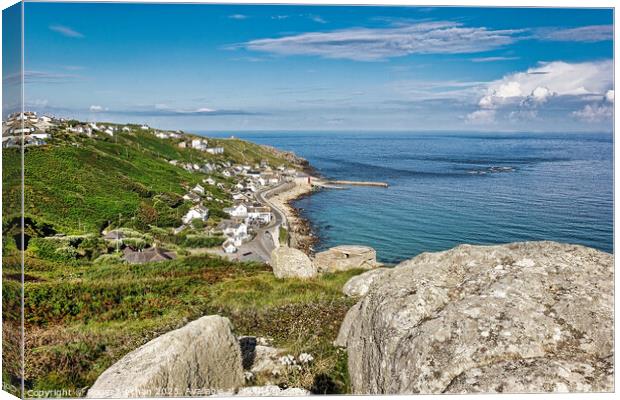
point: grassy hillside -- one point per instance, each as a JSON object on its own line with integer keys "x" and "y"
{"x": 77, "y": 185}
{"x": 82, "y": 318}
{"x": 85, "y": 309}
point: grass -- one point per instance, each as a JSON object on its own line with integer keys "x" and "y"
{"x": 82, "y": 318}
{"x": 283, "y": 236}
{"x": 78, "y": 185}
{"x": 84, "y": 309}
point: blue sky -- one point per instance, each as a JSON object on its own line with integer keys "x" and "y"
{"x": 223, "y": 67}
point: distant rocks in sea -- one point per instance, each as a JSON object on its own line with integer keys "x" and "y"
{"x": 491, "y": 170}
{"x": 521, "y": 317}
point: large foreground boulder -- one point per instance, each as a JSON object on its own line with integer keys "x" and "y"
{"x": 522, "y": 317}
{"x": 201, "y": 358}
{"x": 344, "y": 258}
{"x": 288, "y": 262}
{"x": 360, "y": 284}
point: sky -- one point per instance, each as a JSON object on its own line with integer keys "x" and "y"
{"x": 234, "y": 68}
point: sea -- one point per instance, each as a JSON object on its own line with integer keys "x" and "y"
{"x": 450, "y": 188}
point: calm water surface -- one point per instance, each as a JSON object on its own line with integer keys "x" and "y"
{"x": 452, "y": 188}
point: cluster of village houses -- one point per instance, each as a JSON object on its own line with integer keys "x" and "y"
{"x": 29, "y": 126}
{"x": 34, "y": 130}
{"x": 247, "y": 214}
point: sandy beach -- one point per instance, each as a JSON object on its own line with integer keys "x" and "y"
{"x": 299, "y": 228}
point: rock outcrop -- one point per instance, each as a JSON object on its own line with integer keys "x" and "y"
{"x": 258, "y": 357}
{"x": 522, "y": 317}
{"x": 344, "y": 258}
{"x": 359, "y": 285}
{"x": 288, "y": 262}
{"x": 199, "y": 359}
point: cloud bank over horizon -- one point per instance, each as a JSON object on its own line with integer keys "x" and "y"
{"x": 323, "y": 68}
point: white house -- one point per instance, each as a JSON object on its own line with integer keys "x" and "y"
{"x": 239, "y": 196}
{"x": 209, "y": 181}
{"x": 199, "y": 144}
{"x": 238, "y": 231}
{"x": 229, "y": 247}
{"x": 198, "y": 189}
{"x": 126, "y": 129}
{"x": 196, "y": 212}
{"x": 109, "y": 131}
{"x": 260, "y": 214}
{"x": 239, "y": 211}
{"x": 162, "y": 135}
{"x": 302, "y": 178}
{"x": 144, "y": 127}
{"x": 215, "y": 150}
{"x": 182, "y": 145}
{"x": 76, "y": 129}
{"x": 191, "y": 196}
{"x": 40, "y": 135}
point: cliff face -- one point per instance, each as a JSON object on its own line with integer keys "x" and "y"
{"x": 522, "y": 317}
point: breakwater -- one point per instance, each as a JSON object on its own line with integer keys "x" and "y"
{"x": 358, "y": 183}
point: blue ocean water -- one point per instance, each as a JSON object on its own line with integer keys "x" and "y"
{"x": 452, "y": 188}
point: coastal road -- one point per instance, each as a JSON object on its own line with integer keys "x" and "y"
{"x": 260, "y": 248}
{"x": 280, "y": 217}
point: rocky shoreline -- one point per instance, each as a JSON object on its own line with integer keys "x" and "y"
{"x": 300, "y": 229}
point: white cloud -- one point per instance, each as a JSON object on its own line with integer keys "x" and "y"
{"x": 492, "y": 59}
{"x": 594, "y": 112}
{"x": 95, "y": 108}
{"x": 365, "y": 44}
{"x": 590, "y": 33}
{"x": 66, "y": 31}
{"x": 534, "y": 87}
{"x": 481, "y": 117}
{"x": 238, "y": 16}
{"x": 609, "y": 96}
{"x": 522, "y": 93}
{"x": 599, "y": 111}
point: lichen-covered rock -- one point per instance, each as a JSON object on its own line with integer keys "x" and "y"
{"x": 288, "y": 262}
{"x": 258, "y": 357}
{"x": 345, "y": 326}
{"x": 201, "y": 358}
{"x": 346, "y": 257}
{"x": 521, "y": 317}
{"x": 359, "y": 285}
{"x": 271, "y": 390}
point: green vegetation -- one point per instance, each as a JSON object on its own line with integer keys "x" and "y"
{"x": 79, "y": 185}
{"x": 81, "y": 318}
{"x": 85, "y": 308}
{"x": 283, "y": 235}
